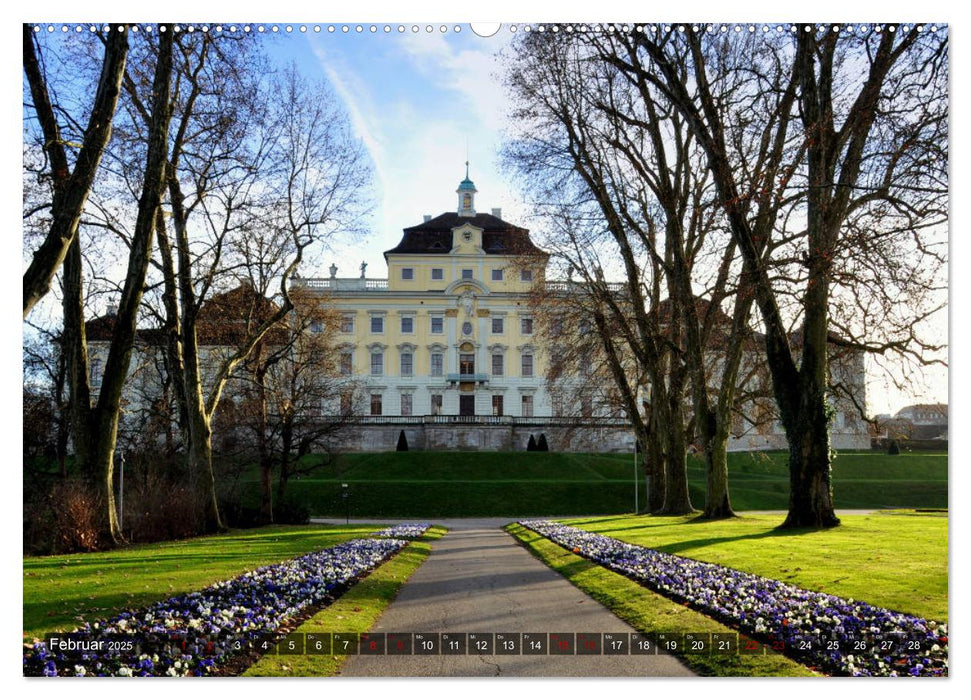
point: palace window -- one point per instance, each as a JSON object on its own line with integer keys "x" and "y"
{"x": 586, "y": 406}
{"x": 407, "y": 324}
{"x": 497, "y": 325}
{"x": 377, "y": 363}
{"x": 316, "y": 326}
{"x": 497, "y": 365}
{"x": 526, "y": 275}
{"x": 96, "y": 371}
{"x": 585, "y": 364}
{"x": 527, "y": 405}
{"x": 497, "y": 404}
{"x": 466, "y": 274}
{"x": 406, "y": 404}
{"x": 438, "y": 324}
{"x": 527, "y": 366}
{"x": 438, "y": 362}
{"x": 377, "y": 324}
{"x": 347, "y": 403}
{"x": 347, "y": 324}
{"x": 407, "y": 273}
{"x": 438, "y": 273}
{"x": 407, "y": 364}
{"x": 436, "y": 404}
{"x": 497, "y": 275}
{"x": 375, "y": 404}
{"x": 466, "y": 363}
{"x": 526, "y": 326}
{"x": 347, "y": 363}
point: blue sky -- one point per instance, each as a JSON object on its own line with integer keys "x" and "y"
{"x": 421, "y": 102}
{"x": 424, "y": 101}
{"x": 418, "y": 100}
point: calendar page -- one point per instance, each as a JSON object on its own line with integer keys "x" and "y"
{"x": 569, "y": 349}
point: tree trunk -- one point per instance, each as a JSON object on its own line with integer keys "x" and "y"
{"x": 266, "y": 490}
{"x": 102, "y": 458}
{"x": 653, "y": 460}
{"x": 810, "y": 475}
{"x": 266, "y": 460}
{"x": 677, "y": 500}
{"x": 70, "y": 190}
{"x": 200, "y": 464}
{"x": 717, "y": 502}
{"x": 286, "y": 454}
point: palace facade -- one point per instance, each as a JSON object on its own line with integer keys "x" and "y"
{"x": 449, "y": 350}
{"x": 449, "y": 332}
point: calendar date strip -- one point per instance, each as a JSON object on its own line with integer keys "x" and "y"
{"x": 472, "y": 643}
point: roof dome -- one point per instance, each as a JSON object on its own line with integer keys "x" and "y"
{"x": 467, "y": 184}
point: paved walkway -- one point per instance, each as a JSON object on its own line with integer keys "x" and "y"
{"x": 479, "y": 579}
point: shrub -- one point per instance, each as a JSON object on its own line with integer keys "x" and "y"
{"x": 531, "y": 445}
{"x": 894, "y": 448}
{"x": 541, "y": 444}
{"x": 402, "y": 442}
{"x": 291, "y": 513}
{"x": 75, "y": 515}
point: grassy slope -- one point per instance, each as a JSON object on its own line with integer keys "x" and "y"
{"x": 894, "y": 561}
{"x": 647, "y": 611}
{"x": 60, "y": 589}
{"x": 422, "y": 484}
{"x": 355, "y": 611}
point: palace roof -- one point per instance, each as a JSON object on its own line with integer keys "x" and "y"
{"x": 434, "y": 237}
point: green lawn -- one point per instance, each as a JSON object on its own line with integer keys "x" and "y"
{"x": 61, "y": 590}
{"x": 355, "y": 611}
{"x": 650, "y": 612}
{"x": 896, "y": 561}
{"x": 456, "y": 484}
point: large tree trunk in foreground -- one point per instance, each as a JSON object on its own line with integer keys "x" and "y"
{"x": 677, "y": 499}
{"x": 96, "y": 428}
{"x": 717, "y": 501}
{"x": 810, "y": 474}
{"x": 70, "y": 189}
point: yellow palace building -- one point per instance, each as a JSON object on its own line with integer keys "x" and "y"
{"x": 448, "y": 339}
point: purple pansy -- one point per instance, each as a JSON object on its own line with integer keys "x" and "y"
{"x": 404, "y": 531}
{"x": 195, "y": 633}
{"x": 836, "y": 635}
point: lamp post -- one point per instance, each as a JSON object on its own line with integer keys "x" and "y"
{"x": 121, "y": 491}
{"x": 636, "y": 502}
{"x": 347, "y": 504}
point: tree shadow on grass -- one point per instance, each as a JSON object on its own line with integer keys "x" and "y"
{"x": 770, "y": 533}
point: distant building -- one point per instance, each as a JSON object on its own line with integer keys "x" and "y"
{"x": 448, "y": 348}
{"x": 924, "y": 421}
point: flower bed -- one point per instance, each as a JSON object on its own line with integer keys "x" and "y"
{"x": 404, "y": 531}
{"x": 196, "y": 633}
{"x": 834, "y": 635}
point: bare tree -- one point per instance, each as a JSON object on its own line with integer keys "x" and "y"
{"x": 620, "y": 177}
{"x": 258, "y": 175}
{"x": 95, "y": 426}
{"x": 46, "y": 409}
{"x": 291, "y": 400}
{"x": 866, "y": 112}
{"x": 69, "y": 187}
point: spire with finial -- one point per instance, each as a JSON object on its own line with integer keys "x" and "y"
{"x": 466, "y": 193}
